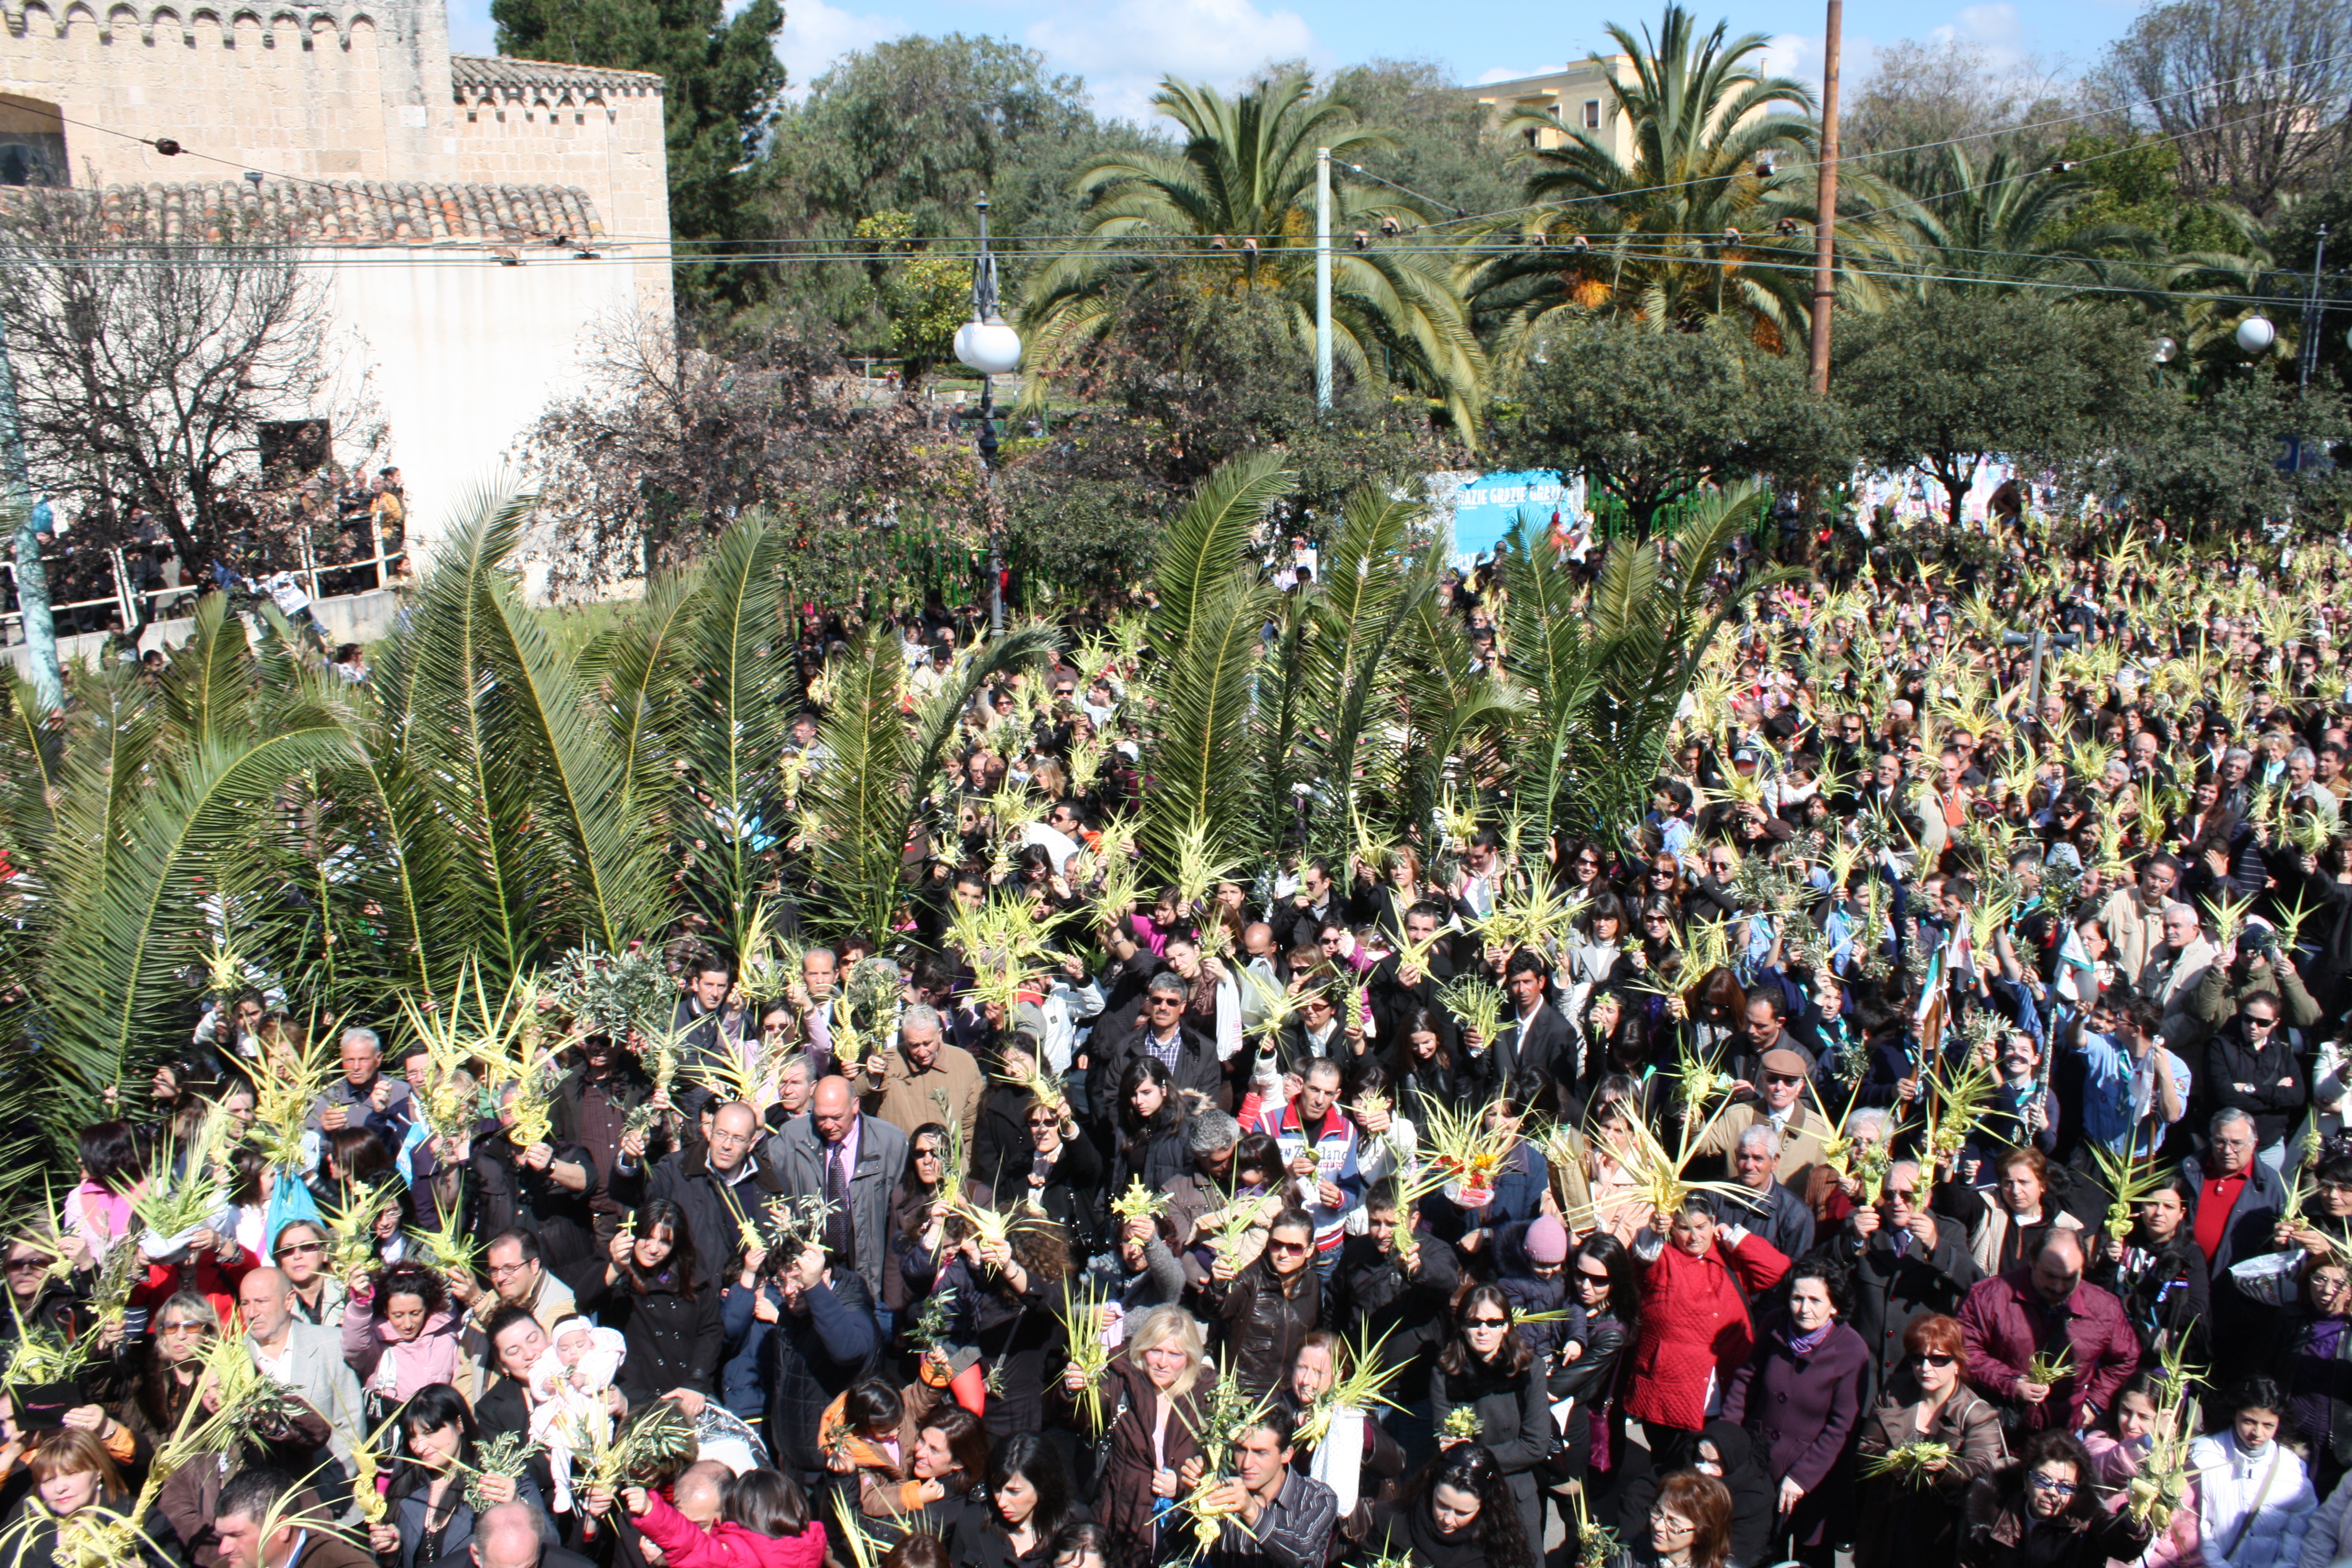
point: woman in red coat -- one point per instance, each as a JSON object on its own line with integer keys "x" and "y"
{"x": 1803, "y": 1393}
{"x": 1695, "y": 1327}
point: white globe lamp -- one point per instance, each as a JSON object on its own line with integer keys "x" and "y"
{"x": 2255, "y": 335}
{"x": 2165, "y": 349}
{"x": 990, "y": 347}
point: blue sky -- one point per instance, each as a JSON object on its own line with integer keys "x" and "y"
{"x": 1123, "y": 47}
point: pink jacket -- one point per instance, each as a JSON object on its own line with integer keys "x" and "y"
{"x": 2181, "y": 1545}
{"x": 727, "y": 1545}
{"x": 432, "y": 1357}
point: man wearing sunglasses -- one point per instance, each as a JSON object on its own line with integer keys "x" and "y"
{"x": 1908, "y": 1263}
{"x": 1774, "y": 1096}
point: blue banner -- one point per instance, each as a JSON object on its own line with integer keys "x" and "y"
{"x": 1484, "y": 508}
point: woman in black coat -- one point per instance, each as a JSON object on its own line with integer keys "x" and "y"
{"x": 674, "y": 1331}
{"x": 2011, "y": 1522}
{"x": 1463, "y": 1478}
{"x": 1061, "y": 1173}
{"x": 1269, "y": 1307}
{"x": 1013, "y": 1522}
{"x": 1153, "y": 1132}
{"x": 1607, "y": 1284}
{"x": 1487, "y": 1371}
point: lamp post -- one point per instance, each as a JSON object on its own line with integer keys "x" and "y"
{"x": 993, "y": 348}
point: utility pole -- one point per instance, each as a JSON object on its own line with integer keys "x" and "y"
{"x": 1825, "y": 219}
{"x": 2306, "y": 353}
{"x": 1323, "y": 280}
{"x": 32, "y": 522}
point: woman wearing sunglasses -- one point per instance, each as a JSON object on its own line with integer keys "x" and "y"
{"x": 1489, "y": 1375}
{"x": 1901, "y": 1522}
{"x": 2046, "y": 1512}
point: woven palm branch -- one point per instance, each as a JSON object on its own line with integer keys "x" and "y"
{"x": 1081, "y": 1313}
{"x": 1478, "y": 1002}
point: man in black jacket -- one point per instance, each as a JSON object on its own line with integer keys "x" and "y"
{"x": 591, "y": 1108}
{"x": 1376, "y": 1289}
{"x": 823, "y": 1340}
{"x": 1397, "y": 990}
{"x": 718, "y": 1186}
{"x": 1909, "y": 1263}
{"x": 1190, "y": 1055}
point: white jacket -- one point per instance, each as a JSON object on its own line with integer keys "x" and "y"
{"x": 2231, "y": 1486}
{"x": 2329, "y": 1537}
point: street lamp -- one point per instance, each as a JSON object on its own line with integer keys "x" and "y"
{"x": 2255, "y": 335}
{"x": 993, "y": 348}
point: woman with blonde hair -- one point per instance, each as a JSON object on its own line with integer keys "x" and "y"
{"x": 74, "y": 1482}
{"x": 1151, "y": 1397}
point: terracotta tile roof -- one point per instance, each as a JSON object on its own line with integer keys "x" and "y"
{"x": 486, "y": 77}
{"x": 357, "y": 212}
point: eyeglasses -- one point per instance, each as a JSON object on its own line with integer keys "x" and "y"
{"x": 507, "y": 1270}
{"x": 1932, "y": 1358}
{"x": 2051, "y": 1485}
{"x": 18, "y": 1265}
{"x": 1600, "y": 1277}
{"x": 296, "y": 1248}
{"x": 1038, "y": 1121}
{"x": 2254, "y": 1023}
{"x": 1781, "y": 1078}
{"x": 191, "y": 1326}
{"x": 1486, "y": 1322}
{"x": 1289, "y": 1248}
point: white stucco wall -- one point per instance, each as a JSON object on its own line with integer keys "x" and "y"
{"x": 465, "y": 354}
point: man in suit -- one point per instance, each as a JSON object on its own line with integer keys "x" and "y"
{"x": 1541, "y": 1055}
{"x": 855, "y": 1162}
{"x": 306, "y": 1358}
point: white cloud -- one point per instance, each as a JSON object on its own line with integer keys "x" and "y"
{"x": 1993, "y": 27}
{"x": 1515, "y": 73}
{"x": 1123, "y": 50}
{"x": 817, "y": 34}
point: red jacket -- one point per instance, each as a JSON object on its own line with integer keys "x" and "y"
{"x": 205, "y": 1275}
{"x": 2004, "y": 1323}
{"x": 1694, "y": 1324}
{"x": 685, "y": 1545}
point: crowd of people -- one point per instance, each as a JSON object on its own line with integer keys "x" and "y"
{"x": 1920, "y": 1135}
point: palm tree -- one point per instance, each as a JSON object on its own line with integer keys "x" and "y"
{"x": 1711, "y": 217}
{"x": 1987, "y": 228}
{"x": 1234, "y": 212}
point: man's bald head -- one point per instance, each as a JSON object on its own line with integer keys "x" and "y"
{"x": 699, "y": 1487}
{"x": 506, "y": 1536}
{"x": 265, "y": 1303}
{"x": 832, "y": 1107}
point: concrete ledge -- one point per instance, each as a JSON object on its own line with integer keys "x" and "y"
{"x": 353, "y": 618}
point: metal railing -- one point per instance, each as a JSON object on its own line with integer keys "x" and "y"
{"x": 128, "y": 600}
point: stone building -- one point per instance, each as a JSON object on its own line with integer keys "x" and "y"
{"x": 477, "y": 218}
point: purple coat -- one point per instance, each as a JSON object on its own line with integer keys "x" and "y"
{"x": 1804, "y": 1410}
